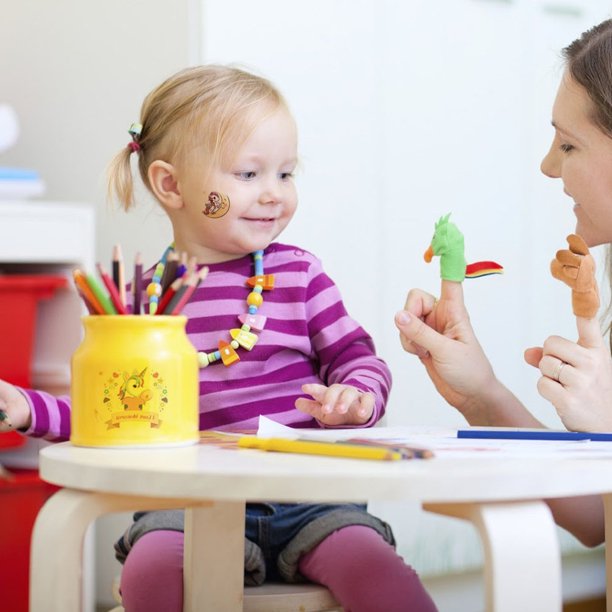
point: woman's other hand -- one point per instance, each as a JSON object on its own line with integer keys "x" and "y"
{"x": 577, "y": 377}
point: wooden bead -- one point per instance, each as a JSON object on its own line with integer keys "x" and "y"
{"x": 154, "y": 289}
{"x": 254, "y": 299}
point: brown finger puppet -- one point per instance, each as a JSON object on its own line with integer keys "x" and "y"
{"x": 576, "y": 268}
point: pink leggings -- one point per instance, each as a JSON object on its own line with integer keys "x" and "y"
{"x": 364, "y": 573}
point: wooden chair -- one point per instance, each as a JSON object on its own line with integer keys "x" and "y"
{"x": 276, "y": 597}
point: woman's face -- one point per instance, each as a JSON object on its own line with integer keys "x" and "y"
{"x": 581, "y": 156}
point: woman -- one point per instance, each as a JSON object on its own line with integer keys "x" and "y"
{"x": 576, "y": 376}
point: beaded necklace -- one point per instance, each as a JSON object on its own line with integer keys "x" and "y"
{"x": 242, "y": 337}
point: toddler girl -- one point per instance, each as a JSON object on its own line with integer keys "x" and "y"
{"x": 217, "y": 147}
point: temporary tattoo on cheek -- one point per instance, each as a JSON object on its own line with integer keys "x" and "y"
{"x": 218, "y": 204}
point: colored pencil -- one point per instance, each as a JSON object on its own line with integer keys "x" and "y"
{"x": 182, "y": 296}
{"x": 91, "y": 309}
{"x": 312, "y": 447}
{"x": 182, "y": 267}
{"x": 119, "y": 272}
{"x": 137, "y": 284}
{"x": 168, "y": 295}
{"x": 170, "y": 269}
{"x": 192, "y": 265}
{"x": 85, "y": 290}
{"x": 112, "y": 290}
{"x": 103, "y": 299}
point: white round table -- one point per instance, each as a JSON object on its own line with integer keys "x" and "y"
{"x": 499, "y": 494}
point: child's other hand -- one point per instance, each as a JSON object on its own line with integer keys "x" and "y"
{"x": 14, "y": 408}
{"x": 337, "y": 404}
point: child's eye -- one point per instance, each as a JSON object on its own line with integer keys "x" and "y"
{"x": 285, "y": 176}
{"x": 246, "y": 176}
{"x": 566, "y": 148}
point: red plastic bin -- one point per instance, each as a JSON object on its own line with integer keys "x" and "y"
{"x": 19, "y": 297}
{"x": 21, "y": 498}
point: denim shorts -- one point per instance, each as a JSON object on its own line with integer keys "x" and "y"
{"x": 274, "y": 526}
{"x": 276, "y": 535}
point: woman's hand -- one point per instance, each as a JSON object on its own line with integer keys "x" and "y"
{"x": 577, "y": 377}
{"x": 440, "y": 334}
{"x": 14, "y": 408}
{"x": 337, "y": 404}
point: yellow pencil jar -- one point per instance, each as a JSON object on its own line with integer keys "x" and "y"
{"x": 134, "y": 383}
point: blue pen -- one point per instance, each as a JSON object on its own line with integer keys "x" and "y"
{"x": 533, "y": 434}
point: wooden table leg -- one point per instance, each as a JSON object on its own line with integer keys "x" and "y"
{"x": 608, "y": 515}
{"x": 214, "y": 557}
{"x": 521, "y": 553}
{"x": 56, "y": 562}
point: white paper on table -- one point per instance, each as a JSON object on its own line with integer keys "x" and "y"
{"x": 443, "y": 441}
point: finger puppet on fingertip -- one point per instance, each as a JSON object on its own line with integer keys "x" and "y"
{"x": 576, "y": 268}
{"x": 448, "y": 244}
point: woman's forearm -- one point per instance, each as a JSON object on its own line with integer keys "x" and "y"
{"x": 497, "y": 406}
{"x": 581, "y": 516}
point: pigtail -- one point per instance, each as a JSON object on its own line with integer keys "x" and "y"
{"x": 120, "y": 179}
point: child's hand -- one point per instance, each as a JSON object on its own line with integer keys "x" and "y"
{"x": 337, "y": 405}
{"x": 14, "y": 408}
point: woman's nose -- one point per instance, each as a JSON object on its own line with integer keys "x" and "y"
{"x": 551, "y": 164}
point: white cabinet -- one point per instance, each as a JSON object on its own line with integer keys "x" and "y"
{"x": 51, "y": 238}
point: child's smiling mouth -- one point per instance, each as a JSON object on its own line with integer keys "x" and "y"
{"x": 264, "y": 220}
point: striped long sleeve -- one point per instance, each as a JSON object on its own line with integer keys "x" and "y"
{"x": 308, "y": 337}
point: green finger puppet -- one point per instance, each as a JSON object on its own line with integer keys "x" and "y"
{"x": 448, "y": 244}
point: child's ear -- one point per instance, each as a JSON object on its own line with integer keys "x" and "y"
{"x": 164, "y": 184}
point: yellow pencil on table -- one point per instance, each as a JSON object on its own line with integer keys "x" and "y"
{"x": 314, "y": 447}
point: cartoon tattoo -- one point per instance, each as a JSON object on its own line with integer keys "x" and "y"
{"x": 218, "y": 204}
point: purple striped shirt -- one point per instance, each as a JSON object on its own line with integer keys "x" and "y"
{"x": 308, "y": 338}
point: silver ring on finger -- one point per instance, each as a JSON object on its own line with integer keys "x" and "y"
{"x": 557, "y": 374}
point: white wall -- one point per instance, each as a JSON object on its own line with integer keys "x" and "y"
{"x": 76, "y": 73}
{"x": 407, "y": 111}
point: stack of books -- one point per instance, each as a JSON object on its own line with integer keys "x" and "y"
{"x": 20, "y": 183}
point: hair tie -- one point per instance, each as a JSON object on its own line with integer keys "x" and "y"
{"x": 135, "y": 131}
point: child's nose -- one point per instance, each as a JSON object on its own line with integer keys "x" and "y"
{"x": 271, "y": 192}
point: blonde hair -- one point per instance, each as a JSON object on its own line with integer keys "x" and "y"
{"x": 211, "y": 107}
